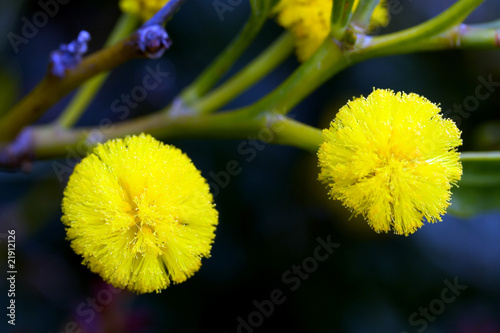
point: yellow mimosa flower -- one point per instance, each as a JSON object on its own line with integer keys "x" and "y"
{"x": 139, "y": 213}
{"x": 392, "y": 158}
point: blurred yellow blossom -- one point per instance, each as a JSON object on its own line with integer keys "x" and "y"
{"x": 308, "y": 20}
{"x": 380, "y": 16}
{"x": 145, "y": 9}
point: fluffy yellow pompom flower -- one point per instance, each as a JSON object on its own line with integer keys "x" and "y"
{"x": 392, "y": 158}
{"x": 139, "y": 213}
{"x": 142, "y": 8}
{"x": 309, "y": 22}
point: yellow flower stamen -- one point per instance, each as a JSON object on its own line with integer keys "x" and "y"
{"x": 392, "y": 158}
{"x": 139, "y": 213}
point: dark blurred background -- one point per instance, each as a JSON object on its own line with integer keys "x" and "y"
{"x": 271, "y": 214}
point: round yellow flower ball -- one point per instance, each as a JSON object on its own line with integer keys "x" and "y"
{"x": 392, "y": 158}
{"x": 139, "y": 213}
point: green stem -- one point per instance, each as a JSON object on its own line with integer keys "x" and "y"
{"x": 454, "y": 15}
{"x": 459, "y": 37}
{"x": 480, "y": 156}
{"x": 487, "y": 25}
{"x": 81, "y": 101}
{"x": 125, "y": 25}
{"x": 299, "y": 135}
{"x": 363, "y": 13}
{"x": 226, "y": 59}
{"x": 328, "y": 60}
{"x": 253, "y": 72}
{"x": 50, "y": 141}
{"x": 337, "y": 10}
{"x": 342, "y": 13}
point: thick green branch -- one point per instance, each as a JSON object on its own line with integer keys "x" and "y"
{"x": 51, "y": 141}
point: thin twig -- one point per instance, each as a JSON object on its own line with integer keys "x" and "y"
{"x": 149, "y": 41}
{"x": 52, "y": 88}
